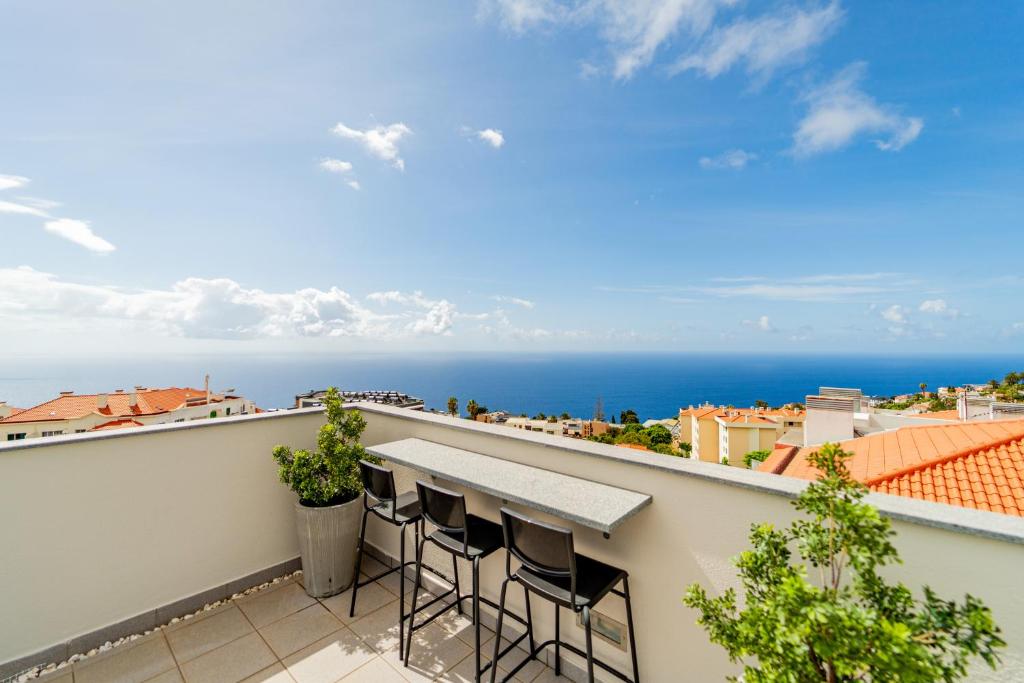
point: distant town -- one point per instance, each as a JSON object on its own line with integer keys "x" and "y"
{"x": 774, "y": 439}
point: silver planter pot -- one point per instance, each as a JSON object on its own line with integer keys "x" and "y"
{"x": 327, "y": 545}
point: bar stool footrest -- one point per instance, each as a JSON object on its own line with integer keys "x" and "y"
{"x": 571, "y": 648}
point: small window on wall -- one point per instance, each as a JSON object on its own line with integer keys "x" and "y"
{"x": 16, "y": 437}
{"x": 53, "y": 433}
{"x": 227, "y": 410}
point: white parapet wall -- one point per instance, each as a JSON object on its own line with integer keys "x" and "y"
{"x": 97, "y": 529}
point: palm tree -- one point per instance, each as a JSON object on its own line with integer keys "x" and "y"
{"x": 472, "y": 408}
{"x": 453, "y": 406}
{"x": 923, "y": 385}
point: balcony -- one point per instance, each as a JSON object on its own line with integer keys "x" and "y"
{"x": 108, "y": 535}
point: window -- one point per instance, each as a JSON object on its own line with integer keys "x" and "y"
{"x": 57, "y": 432}
{"x": 81, "y": 431}
{"x": 16, "y": 437}
{"x": 228, "y": 412}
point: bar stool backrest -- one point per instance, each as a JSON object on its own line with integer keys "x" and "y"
{"x": 378, "y": 482}
{"x": 444, "y": 509}
{"x": 543, "y": 548}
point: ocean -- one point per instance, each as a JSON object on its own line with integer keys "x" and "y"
{"x": 653, "y": 384}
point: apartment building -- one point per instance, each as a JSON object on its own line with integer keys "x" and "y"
{"x": 717, "y": 432}
{"x": 72, "y": 413}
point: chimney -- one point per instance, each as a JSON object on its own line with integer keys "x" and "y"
{"x": 207, "y": 390}
{"x": 133, "y": 399}
{"x": 101, "y": 401}
{"x": 5, "y": 409}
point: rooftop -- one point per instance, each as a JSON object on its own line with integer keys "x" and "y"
{"x": 71, "y": 406}
{"x": 970, "y": 464}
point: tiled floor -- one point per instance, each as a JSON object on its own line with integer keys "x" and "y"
{"x": 281, "y": 635}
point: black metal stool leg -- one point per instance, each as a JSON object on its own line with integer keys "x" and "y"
{"x": 415, "y": 595}
{"x": 401, "y": 595}
{"x": 590, "y": 645}
{"x": 497, "y": 632}
{"x": 455, "y": 580}
{"x": 529, "y": 620}
{"x": 629, "y": 625}
{"x": 558, "y": 641}
{"x": 476, "y": 619}
{"x": 359, "y": 562}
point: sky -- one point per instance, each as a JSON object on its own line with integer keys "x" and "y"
{"x": 520, "y": 175}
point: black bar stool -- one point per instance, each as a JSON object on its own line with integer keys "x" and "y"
{"x": 471, "y": 538}
{"x": 552, "y": 569}
{"x": 401, "y": 510}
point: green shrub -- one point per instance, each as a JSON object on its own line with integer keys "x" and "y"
{"x": 330, "y": 475}
{"x": 848, "y": 624}
{"x": 749, "y": 458}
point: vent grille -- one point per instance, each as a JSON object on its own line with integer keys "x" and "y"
{"x": 836, "y": 403}
{"x": 840, "y": 391}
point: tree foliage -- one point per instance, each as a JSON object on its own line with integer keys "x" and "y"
{"x": 628, "y": 417}
{"x": 847, "y": 624}
{"x": 453, "y": 406}
{"x": 749, "y": 458}
{"x": 329, "y": 475}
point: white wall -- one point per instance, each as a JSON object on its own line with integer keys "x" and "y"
{"x": 98, "y": 529}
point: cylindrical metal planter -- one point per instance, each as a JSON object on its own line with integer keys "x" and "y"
{"x": 327, "y": 545}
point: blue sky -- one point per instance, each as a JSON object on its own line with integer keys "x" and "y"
{"x": 512, "y": 175}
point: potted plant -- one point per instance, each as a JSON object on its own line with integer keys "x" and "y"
{"x": 328, "y": 484}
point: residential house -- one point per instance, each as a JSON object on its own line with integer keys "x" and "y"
{"x": 715, "y": 432}
{"x": 72, "y": 413}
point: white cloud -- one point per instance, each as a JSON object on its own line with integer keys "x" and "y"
{"x": 438, "y": 316}
{"x": 11, "y": 207}
{"x": 519, "y": 15}
{"x": 839, "y": 111}
{"x": 336, "y": 166}
{"x": 938, "y": 307}
{"x": 492, "y": 137}
{"x": 735, "y": 159}
{"x": 380, "y": 141}
{"x": 764, "y": 44}
{"x": 525, "y": 303}
{"x": 342, "y": 168}
{"x": 217, "y": 308}
{"x": 895, "y": 314}
{"x": 80, "y": 233}
{"x": 70, "y": 229}
{"x": 764, "y": 324}
{"x": 10, "y": 182}
{"x": 793, "y": 291}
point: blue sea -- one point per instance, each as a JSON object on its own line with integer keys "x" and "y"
{"x": 654, "y": 385}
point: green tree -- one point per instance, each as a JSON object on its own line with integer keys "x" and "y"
{"x": 924, "y": 386}
{"x": 565, "y": 416}
{"x": 850, "y": 624}
{"x": 540, "y": 416}
{"x": 749, "y": 458}
{"x": 760, "y": 404}
{"x": 686, "y": 448}
{"x": 1011, "y": 379}
{"x": 471, "y": 408}
{"x": 453, "y": 406}
{"x": 628, "y": 417}
{"x": 330, "y": 475}
{"x": 659, "y": 434}
{"x": 994, "y": 383}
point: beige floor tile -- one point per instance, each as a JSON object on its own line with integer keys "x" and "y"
{"x": 390, "y": 582}
{"x": 134, "y": 662}
{"x": 172, "y": 676}
{"x": 197, "y": 638}
{"x": 433, "y": 651}
{"x": 375, "y": 671}
{"x": 329, "y": 659}
{"x": 196, "y": 618}
{"x": 372, "y": 567}
{"x": 269, "y": 606}
{"x": 276, "y": 673}
{"x": 230, "y": 663}
{"x": 298, "y": 630}
{"x": 379, "y": 629}
{"x": 370, "y": 598}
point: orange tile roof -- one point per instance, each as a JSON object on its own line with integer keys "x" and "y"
{"x": 970, "y": 464}
{"x": 74, "y": 406}
{"x": 116, "y": 424}
{"x": 747, "y": 419}
{"x": 717, "y": 411}
{"x": 941, "y": 415}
